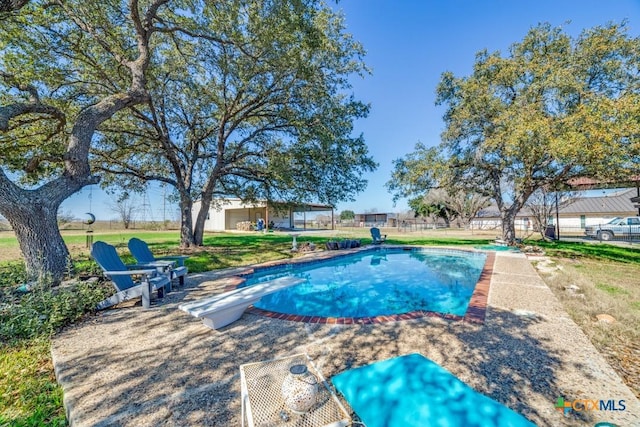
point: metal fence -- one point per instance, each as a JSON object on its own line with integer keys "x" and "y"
{"x": 407, "y": 227}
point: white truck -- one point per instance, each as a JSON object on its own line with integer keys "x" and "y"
{"x": 616, "y": 228}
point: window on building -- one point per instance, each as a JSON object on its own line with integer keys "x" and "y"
{"x": 583, "y": 221}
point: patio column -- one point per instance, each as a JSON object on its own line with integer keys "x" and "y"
{"x": 333, "y": 222}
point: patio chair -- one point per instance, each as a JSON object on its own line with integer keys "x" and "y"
{"x": 172, "y": 264}
{"x": 375, "y": 235}
{"x": 412, "y": 390}
{"x": 121, "y": 277}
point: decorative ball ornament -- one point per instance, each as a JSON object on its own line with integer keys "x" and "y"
{"x": 90, "y": 219}
{"x": 300, "y": 389}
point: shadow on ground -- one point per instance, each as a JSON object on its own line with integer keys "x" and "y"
{"x": 163, "y": 367}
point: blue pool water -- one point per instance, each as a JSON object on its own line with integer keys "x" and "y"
{"x": 377, "y": 283}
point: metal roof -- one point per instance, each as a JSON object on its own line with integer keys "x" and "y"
{"x": 387, "y": 214}
{"x": 614, "y": 204}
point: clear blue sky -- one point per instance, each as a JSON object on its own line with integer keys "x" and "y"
{"x": 409, "y": 44}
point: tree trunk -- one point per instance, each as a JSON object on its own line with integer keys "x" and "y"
{"x": 508, "y": 225}
{"x": 198, "y": 233}
{"x": 45, "y": 254}
{"x": 206, "y": 196}
{"x": 508, "y": 215}
{"x": 186, "y": 222}
{"x": 33, "y": 217}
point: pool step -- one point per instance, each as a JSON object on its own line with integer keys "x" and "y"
{"x": 223, "y": 309}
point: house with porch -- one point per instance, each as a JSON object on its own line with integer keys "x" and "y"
{"x": 586, "y": 211}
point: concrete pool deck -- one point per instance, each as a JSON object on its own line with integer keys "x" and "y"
{"x": 162, "y": 367}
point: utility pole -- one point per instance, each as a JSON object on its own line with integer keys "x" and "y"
{"x": 164, "y": 206}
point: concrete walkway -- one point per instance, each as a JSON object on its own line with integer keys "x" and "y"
{"x": 162, "y": 367}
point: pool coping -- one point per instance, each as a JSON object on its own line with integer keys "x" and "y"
{"x": 476, "y": 310}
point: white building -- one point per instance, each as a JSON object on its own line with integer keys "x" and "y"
{"x": 573, "y": 217}
{"x": 229, "y": 213}
{"x": 598, "y": 210}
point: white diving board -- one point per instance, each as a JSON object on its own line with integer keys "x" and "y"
{"x": 222, "y": 309}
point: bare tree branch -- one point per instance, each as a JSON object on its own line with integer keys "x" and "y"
{"x": 12, "y": 5}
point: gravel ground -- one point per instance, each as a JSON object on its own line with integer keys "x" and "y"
{"x": 162, "y": 367}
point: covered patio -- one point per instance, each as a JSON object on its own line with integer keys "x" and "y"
{"x": 234, "y": 214}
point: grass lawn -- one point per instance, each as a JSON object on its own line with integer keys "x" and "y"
{"x": 590, "y": 287}
{"x": 30, "y": 395}
{"x": 606, "y": 275}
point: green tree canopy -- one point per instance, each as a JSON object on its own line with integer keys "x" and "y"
{"x": 553, "y": 109}
{"x": 262, "y": 113}
{"x": 427, "y": 207}
{"x": 439, "y": 203}
{"x": 347, "y": 215}
{"x": 65, "y": 68}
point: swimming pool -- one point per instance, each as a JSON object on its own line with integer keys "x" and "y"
{"x": 375, "y": 283}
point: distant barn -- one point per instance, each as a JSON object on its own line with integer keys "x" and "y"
{"x": 376, "y": 220}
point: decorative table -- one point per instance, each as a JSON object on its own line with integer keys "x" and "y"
{"x": 263, "y": 404}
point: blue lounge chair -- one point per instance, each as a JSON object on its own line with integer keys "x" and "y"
{"x": 412, "y": 390}
{"x": 173, "y": 264}
{"x": 121, "y": 277}
{"x": 377, "y": 238}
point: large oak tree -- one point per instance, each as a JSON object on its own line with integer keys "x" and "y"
{"x": 67, "y": 67}
{"x": 262, "y": 114}
{"x": 554, "y": 108}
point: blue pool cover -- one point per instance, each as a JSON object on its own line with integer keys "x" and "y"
{"x": 412, "y": 390}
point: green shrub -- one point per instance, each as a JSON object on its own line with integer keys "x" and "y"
{"x": 44, "y": 310}
{"x": 12, "y": 274}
